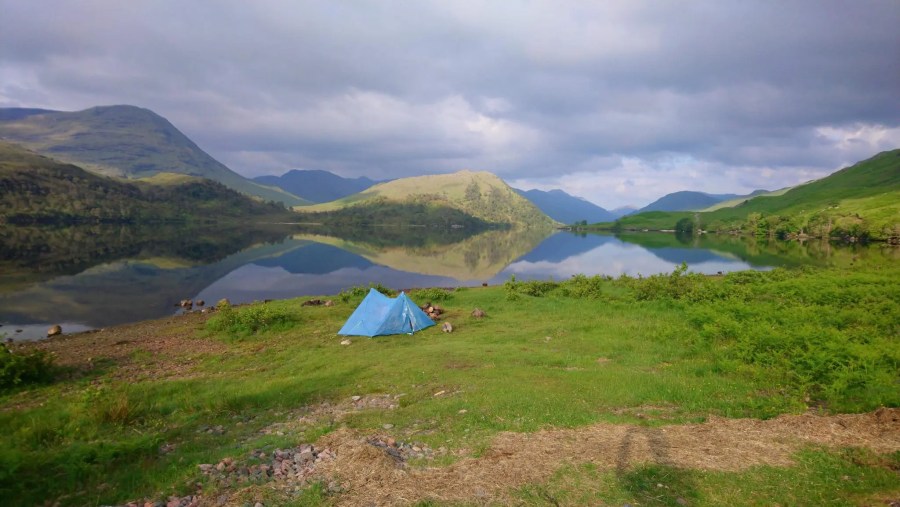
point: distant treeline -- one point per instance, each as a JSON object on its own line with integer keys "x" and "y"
{"x": 382, "y": 211}
{"x": 37, "y": 190}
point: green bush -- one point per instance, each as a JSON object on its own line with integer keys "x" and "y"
{"x": 584, "y": 287}
{"x": 18, "y": 369}
{"x": 534, "y": 288}
{"x": 250, "y": 320}
{"x": 360, "y": 291}
{"x": 433, "y": 294}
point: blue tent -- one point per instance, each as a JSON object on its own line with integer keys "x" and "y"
{"x": 379, "y": 315}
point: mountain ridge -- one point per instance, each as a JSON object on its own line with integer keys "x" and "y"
{"x": 37, "y": 189}
{"x": 566, "y": 208}
{"x": 124, "y": 141}
{"x": 479, "y": 194}
{"x": 692, "y": 200}
{"x": 316, "y": 186}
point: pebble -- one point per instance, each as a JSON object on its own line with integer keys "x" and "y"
{"x": 346, "y": 342}
{"x": 356, "y": 398}
{"x": 463, "y": 411}
{"x": 388, "y": 426}
{"x": 404, "y": 451}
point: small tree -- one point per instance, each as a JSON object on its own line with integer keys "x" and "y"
{"x": 685, "y": 226}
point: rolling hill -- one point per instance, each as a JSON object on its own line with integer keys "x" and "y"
{"x": 566, "y": 208}
{"x": 480, "y": 195}
{"x": 124, "y": 141}
{"x": 37, "y": 189}
{"x": 730, "y": 203}
{"x": 692, "y": 201}
{"x": 316, "y": 186}
{"x": 861, "y": 201}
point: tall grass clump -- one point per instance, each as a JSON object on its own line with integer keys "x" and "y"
{"x": 22, "y": 368}
{"x": 241, "y": 322}
{"x": 433, "y": 294}
{"x": 360, "y": 291}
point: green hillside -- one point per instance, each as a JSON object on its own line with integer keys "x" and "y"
{"x": 37, "y": 189}
{"x": 480, "y": 195}
{"x": 861, "y": 201}
{"x": 126, "y": 141}
{"x": 742, "y": 199}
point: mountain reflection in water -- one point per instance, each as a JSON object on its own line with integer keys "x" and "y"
{"x": 91, "y": 277}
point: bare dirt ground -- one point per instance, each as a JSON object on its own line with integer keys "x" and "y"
{"x": 161, "y": 348}
{"x": 372, "y": 477}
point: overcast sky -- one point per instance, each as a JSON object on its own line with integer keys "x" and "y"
{"x": 619, "y": 102}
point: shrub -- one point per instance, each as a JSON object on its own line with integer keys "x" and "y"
{"x": 360, "y": 291}
{"x": 581, "y": 286}
{"x": 250, "y": 319}
{"x": 18, "y": 369}
{"x": 433, "y": 294}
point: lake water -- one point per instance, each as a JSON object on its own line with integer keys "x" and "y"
{"x": 93, "y": 277}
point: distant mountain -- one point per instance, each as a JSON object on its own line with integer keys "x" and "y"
{"x": 316, "y": 186}
{"x": 681, "y": 201}
{"x": 566, "y": 208}
{"x": 621, "y": 211}
{"x": 420, "y": 200}
{"x": 691, "y": 201}
{"x": 37, "y": 189}
{"x": 123, "y": 141}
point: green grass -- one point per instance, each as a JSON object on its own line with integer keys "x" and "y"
{"x": 820, "y": 477}
{"x": 750, "y": 344}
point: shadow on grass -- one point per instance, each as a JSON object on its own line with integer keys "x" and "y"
{"x": 658, "y": 482}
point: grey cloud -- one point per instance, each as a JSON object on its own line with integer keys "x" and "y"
{"x": 530, "y": 90}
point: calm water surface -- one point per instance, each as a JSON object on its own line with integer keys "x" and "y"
{"x": 93, "y": 277}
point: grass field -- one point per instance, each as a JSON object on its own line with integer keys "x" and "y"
{"x": 633, "y": 356}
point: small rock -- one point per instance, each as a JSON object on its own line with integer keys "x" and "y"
{"x": 391, "y": 442}
{"x": 329, "y": 303}
{"x": 356, "y": 398}
{"x": 463, "y": 411}
{"x": 186, "y": 303}
{"x": 346, "y": 342}
{"x": 258, "y": 504}
{"x": 53, "y": 331}
{"x": 439, "y": 393}
{"x": 388, "y": 426}
{"x": 478, "y": 313}
{"x": 679, "y": 500}
{"x": 447, "y": 327}
{"x": 220, "y": 467}
{"x": 200, "y": 302}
